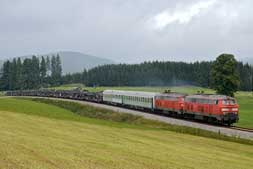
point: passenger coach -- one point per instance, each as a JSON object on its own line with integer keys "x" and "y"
{"x": 143, "y": 100}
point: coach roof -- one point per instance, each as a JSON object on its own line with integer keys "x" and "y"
{"x": 131, "y": 93}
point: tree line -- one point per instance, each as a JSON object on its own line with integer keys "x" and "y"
{"x": 159, "y": 73}
{"x": 31, "y": 73}
{"x": 40, "y": 72}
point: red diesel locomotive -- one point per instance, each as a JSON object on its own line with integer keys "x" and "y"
{"x": 172, "y": 102}
{"x": 212, "y": 108}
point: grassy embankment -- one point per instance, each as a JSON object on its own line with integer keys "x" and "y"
{"x": 37, "y": 135}
{"x": 245, "y": 99}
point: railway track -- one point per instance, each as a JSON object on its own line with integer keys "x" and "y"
{"x": 242, "y": 129}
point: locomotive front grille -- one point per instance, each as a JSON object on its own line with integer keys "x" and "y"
{"x": 231, "y": 116}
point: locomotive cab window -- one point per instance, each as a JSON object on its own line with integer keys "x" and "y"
{"x": 228, "y": 102}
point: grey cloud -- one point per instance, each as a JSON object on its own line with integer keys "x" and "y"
{"x": 121, "y": 30}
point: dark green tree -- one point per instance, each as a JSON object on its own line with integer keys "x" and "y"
{"x": 58, "y": 66}
{"x": 13, "y": 74}
{"x": 27, "y": 74}
{"x": 56, "y": 70}
{"x": 35, "y": 76}
{"x": 53, "y": 70}
{"x": 43, "y": 71}
{"x": 48, "y": 65}
{"x": 224, "y": 75}
{"x": 5, "y": 76}
{"x": 19, "y": 74}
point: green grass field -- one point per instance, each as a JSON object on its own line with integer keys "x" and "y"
{"x": 245, "y": 99}
{"x": 37, "y": 135}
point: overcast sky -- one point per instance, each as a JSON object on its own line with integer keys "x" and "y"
{"x": 128, "y": 30}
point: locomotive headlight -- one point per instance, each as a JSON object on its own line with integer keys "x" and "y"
{"x": 224, "y": 109}
{"x": 234, "y": 109}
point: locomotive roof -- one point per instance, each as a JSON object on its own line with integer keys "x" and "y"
{"x": 173, "y": 94}
{"x": 131, "y": 93}
{"x": 210, "y": 97}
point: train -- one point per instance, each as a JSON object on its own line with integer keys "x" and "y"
{"x": 210, "y": 108}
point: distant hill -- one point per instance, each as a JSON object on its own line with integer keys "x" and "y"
{"x": 73, "y": 62}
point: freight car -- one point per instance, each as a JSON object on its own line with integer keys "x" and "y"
{"x": 211, "y": 108}
{"x": 65, "y": 94}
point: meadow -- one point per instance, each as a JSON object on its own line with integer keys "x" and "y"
{"x": 245, "y": 99}
{"x": 37, "y": 135}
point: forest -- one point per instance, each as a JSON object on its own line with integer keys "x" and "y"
{"x": 42, "y": 72}
{"x": 157, "y": 74}
{"x": 31, "y": 73}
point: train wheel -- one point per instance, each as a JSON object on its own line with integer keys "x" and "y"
{"x": 229, "y": 123}
{"x": 210, "y": 120}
